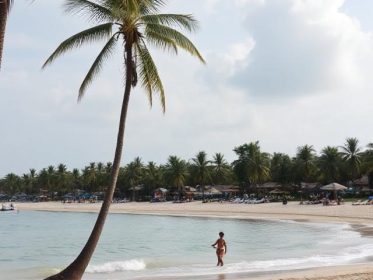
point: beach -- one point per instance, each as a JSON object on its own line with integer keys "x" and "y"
{"x": 359, "y": 217}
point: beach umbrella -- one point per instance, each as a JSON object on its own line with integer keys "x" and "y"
{"x": 334, "y": 187}
{"x": 212, "y": 190}
{"x": 276, "y": 191}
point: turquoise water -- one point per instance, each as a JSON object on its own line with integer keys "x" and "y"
{"x": 35, "y": 244}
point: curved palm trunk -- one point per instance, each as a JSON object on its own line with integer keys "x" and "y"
{"x": 76, "y": 269}
{"x": 3, "y": 19}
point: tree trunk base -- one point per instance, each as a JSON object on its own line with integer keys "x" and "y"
{"x": 65, "y": 275}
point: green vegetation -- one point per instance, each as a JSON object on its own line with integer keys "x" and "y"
{"x": 251, "y": 167}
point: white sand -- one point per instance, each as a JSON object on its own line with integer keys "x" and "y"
{"x": 358, "y": 215}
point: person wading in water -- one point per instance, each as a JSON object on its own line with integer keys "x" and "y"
{"x": 221, "y": 248}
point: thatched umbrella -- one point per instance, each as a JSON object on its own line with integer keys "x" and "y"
{"x": 212, "y": 190}
{"x": 334, "y": 187}
{"x": 277, "y": 191}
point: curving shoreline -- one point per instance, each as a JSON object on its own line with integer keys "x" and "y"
{"x": 360, "y": 217}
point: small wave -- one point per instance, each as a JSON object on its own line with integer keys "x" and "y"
{"x": 348, "y": 255}
{"x": 109, "y": 267}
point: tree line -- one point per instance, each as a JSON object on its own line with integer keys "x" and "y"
{"x": 341, "y": 164}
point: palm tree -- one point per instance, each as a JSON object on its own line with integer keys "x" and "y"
{"x": 351, "y": 154}
{"x": 176, "y": 173}
{"x": 12, "y": 183}
{"x": 75, "y": 180}
{"x": 305, "y": 161}
{"x": 252, "y": 165}
{"x": 5, "y": 6}
{"x": 62, "y": 177}
{"x": 201, "y": 170}
{"x": 33, "y": 178}
{"x": 137, "y": 23}
{"x": 281, "y": 167}
{"x": 329, "y": 163}
{"x": 220, "y": 168}
{"x": 134, "y": 174}
{"x": 152, "y": 177}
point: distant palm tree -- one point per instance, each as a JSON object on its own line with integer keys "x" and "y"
{"x": 351, "y": 154}
{"x": 76, "y": 180}
{"x": 137, "y": 23}
{"x": 329, "y": 163}
{"x": 305, "y": 160}
{"x": 61, "y": 177}
{"x": 5, "y": 6}
{"x": 152, "y": 177}
{"x": 12, "y": 183}
{"x": 281, "y": 168}
{"x": 176, "y": 173}
{"x": 220, "y": 168}
{"x": 202, "y": 171}
{"x": 252, "y": 165}
{"x": 134, "y": 174}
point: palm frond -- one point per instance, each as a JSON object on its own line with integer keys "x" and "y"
{"x": 183, "y": 21}
{"x": 157, "y": 31}
{"x": 97, "y": 65}
{"x": 150, "y": 6}
{"x": 9, "y": 4}
{"x": 161, "y": 41}
{"x": 149, "y": 76}
{"x": 96, "y": 33}
{"x": 94, "y": 11}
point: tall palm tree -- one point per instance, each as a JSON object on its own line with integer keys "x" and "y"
{"x": 351, "y": 154}
{"x": 176, "y": 173}
{"x": 136, "y": 22}
{"x": 5, "y": 6}
{"x": 201, "y": 168}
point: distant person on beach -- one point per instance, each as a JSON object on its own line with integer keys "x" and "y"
{"x": 221, "y": 248}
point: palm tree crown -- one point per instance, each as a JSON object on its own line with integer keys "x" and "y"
{"x": 351, "y": 154}
{"x": 137, "y": 23}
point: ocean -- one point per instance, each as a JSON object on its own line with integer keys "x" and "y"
{"x": 35, "y": 244}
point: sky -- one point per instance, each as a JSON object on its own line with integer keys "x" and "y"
{"x": 282, "y": 72}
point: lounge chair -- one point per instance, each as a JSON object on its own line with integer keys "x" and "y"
{"x": 357, "y": 202}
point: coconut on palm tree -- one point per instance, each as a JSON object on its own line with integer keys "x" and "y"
{"x": 132, "y": 24}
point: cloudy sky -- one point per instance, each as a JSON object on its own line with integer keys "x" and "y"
{"x": 284, "y": 72}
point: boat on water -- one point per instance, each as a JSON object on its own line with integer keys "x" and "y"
{"x": 8, "y": 207}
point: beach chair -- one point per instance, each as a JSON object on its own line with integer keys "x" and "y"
{"x": 357, "y": 202}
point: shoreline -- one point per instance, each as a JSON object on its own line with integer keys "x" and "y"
{"x": 359, "y": 217}
{"x": 361, "y": 214}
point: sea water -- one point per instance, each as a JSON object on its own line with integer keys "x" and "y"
{"x": 34, "y": 245}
